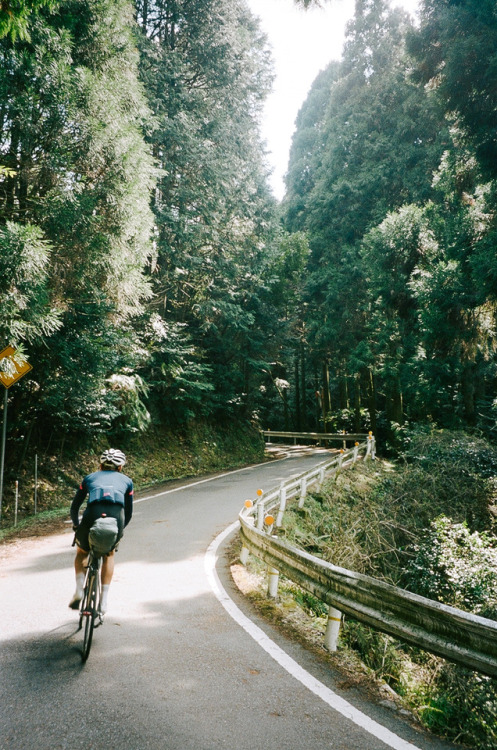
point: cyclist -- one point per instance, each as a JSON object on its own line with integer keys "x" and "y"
{"x": 110, "y": 493}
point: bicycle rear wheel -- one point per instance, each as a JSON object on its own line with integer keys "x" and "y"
{"x": 89, "y": 611}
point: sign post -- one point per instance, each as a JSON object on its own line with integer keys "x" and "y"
{"x": 12, "y": 368}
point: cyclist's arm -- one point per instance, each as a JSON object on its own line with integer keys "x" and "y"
{"x": 77, "y": 502}
{"x": 128, "y": 504}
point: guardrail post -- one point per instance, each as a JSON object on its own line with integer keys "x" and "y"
{"x": 273, "y": 575}
{"x": 281, "y": 510}
{"x": 373, "y": 447}
{"x": 273, "y": 582}
{"x": 321, "y": 478}
{"x": 369, "y": 450}
{"x": 260, "y": 515}
{"x": 356, "y": 451}
{"x": 245, "y": 550}
{"x": 303, "y": 491}
{"x": 332, "y": 629}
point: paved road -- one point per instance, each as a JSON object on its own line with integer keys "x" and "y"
{"x": 170, "y": 669}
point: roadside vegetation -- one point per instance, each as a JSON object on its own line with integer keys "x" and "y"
{"x": 425, "y": 522}
{"x": 154, "y": 458}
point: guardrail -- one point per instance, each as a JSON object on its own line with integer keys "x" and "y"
{"x": 458, "y": 636}
{"x": 321, "y": 437}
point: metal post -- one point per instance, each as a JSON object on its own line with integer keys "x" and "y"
{"x": 273, "y": 579}
{"x": 36, "y": 482}
{"x": 303, "y": 492}
{"x": 4, "y": 437}
{"x": 332, "y": 629}
{"x": 282, "y": 507}
{"x": 17, "y": 502}
{"x": 260, "y": 515}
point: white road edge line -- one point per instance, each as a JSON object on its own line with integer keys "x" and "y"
{"x": 209, "y": 479}
{"x": 318, "y": 688}
{"x": 328, "y": 696}
{"x": 202, "y": 481}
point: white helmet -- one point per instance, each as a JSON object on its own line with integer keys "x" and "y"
{"x": 112, "y": 458}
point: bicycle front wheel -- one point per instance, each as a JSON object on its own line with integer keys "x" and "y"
{"x": 89, "y": 611}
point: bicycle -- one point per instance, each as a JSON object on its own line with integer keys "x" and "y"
{"x": 89, "y": 615}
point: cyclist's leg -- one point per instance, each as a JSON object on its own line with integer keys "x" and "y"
{"x": 108, "y": 560}
{"x": 107, "y": 573}
{"x": 79, "y": 569}
{"x": 107, "y": 568}
{"x": 82, "y": 549}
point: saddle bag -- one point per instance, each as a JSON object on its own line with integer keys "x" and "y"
{"x": 103, "y": 535}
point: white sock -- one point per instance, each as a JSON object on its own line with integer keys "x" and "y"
{"x": 103, "y": 598}
{"x": 80, "y": 582}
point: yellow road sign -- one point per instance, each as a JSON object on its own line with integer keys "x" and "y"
{"x": 12, "y": 366}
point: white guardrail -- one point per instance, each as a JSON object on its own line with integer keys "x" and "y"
{"x": 321, "y": 437}
{"x": 458, "y": 636}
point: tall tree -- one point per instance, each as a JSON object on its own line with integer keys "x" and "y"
{"x": 456, "y": 51}
{"x": 380, "y": 140}
{"x": 72, "y": 115}
{"x": 206, "y": 71}
{"x": 15, "y": 16}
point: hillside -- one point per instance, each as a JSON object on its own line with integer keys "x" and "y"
{"x": 425, "y": 522}
{"x": 154, "y": 457}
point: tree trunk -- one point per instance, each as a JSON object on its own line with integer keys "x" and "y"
{"x": 303, "y": 391}
{"x": 318, "y": 402}
{"x": 372, "y": 400}
{"x": 468, "y": 393}
{"x": 298, "y": 413}
{"x": 395, "y": 403}
{"x": 357, "y": 403}
{"x": 344, "y": 391}
{"x": 325, "y": 397}
{"x": 285, "y": 410}
{"x": 25, "y": 446}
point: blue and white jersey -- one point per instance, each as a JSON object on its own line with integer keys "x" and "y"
{"x": 104, "y": 487}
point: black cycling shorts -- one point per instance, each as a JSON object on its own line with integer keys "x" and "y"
{"x": 94, "y": 511}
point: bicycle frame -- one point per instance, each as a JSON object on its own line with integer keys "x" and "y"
{"x": 90, "y": 615}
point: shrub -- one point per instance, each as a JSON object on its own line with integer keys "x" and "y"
{"x": 454, "y": 566}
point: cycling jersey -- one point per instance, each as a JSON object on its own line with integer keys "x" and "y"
{"x": 104, "y": 487}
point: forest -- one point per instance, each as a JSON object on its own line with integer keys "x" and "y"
{"x": 150, "y": 277}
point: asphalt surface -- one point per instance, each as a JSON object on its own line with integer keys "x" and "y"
{"x": 170, "y": 669}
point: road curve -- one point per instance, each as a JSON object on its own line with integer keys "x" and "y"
{"x": 172, "y": 668}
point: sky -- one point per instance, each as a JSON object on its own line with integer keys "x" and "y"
{"x": 303, "y": 43}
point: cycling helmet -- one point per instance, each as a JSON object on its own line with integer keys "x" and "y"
{"x": 113, "y": 458}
